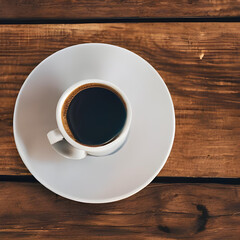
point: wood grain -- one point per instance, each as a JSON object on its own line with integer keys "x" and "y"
{"x": 97, "y": 9}
{"x": 200, "y": 63}
{"x": 160, "y": 211}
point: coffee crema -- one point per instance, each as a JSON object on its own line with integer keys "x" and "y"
{"x": 94, "y": 114}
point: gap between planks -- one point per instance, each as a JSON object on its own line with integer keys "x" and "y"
{"x": 235, "y": 181}
{"x": 115, "y": 20}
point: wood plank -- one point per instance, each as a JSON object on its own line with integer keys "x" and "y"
{"x": 200, "y": 63}
{"x": 160, "y": 211}
{"x": 69, "y": 9}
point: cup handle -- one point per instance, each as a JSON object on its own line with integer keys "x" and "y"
{"x": 54, "y": 136}
{"x": 61, "y": 146}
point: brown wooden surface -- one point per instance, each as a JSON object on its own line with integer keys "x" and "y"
{"x": 200, "y": 63}
{"x": 85, "y": 9}
{"x": 160, "y": 211}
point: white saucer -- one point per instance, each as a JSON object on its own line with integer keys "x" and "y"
{"x": 95, "y": 179}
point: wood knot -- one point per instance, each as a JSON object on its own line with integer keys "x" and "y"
{"x": 202, "y": 219}
{"x": 164, "y": 228}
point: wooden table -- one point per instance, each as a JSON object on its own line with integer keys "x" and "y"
{"x": 195, "y": 46}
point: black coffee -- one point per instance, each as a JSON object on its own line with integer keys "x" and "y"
{"x": 93, "y": 114}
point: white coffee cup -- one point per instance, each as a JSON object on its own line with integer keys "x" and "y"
{"x": 68, "y": 147}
